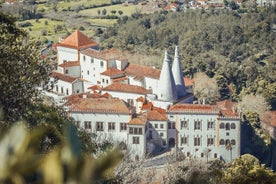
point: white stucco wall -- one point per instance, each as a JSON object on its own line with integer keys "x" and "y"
{"x": 66, "y": 86}
{"x": 137, "y": 150}
{"x": 151, "y": 83}
{"x": 113, "y": 135}
{"x": 67, "y": 54}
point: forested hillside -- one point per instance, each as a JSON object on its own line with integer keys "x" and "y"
{"x": 238, "y": 49}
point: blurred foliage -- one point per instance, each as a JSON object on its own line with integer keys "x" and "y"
{"x": 21, "y": 70}
{"x": 21, "y": 161}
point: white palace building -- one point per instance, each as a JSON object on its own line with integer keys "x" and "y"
{"x": 146, "y": 108}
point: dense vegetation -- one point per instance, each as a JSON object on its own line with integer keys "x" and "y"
{"x": 238, "y": 49}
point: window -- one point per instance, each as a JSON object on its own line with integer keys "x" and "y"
{"x": 215, "y": 155}
{"x": 102, "y": 80}
{"x": 171, "y": 125}
{"x": 66, "y": 71}
{"x": 150, "y": 125}
{"x": 150, "y": 134}
{"x": 227, "y": 142}
{"x": 197, "y": 125}
{"x": 84, "y": 58}
{"x": 162, "y": 126}
{"x": 87, "y": 72}
{"x": 233, "y": 142}
{"x": 92, "y": 60}
{"x": 210, "y": 141}
{"x": 101, "y": 63}
{"x": 188, "y": 154}
{"x": 227, "y": 134}
{"x": 211, "y": 125}
{"x": 123, "y": 126}
{"x": 135, "y": 140}
{"x": 106, "y": 81}
{"x": 227, "y": 126}
{"x": 111, "y": 126}
{"x": 221, "y": 142}
{"x": 183, "y": 140}
{"x": 87, "y": 124}
{"x": 134, "y": 130}
{"x": 197, "y": 141}
{"x": 156, "y": 126}
{"x": 161, "y": 134}
{"x": 77, "y": 124}
{"x": 99, "y": 126}
{"x": 183, "y": 124}
{"x": 221, "y": 126}
{"x": 233, "y": 126}
{"x": 67, "y": 92}
{"x": 56, "y": 88}
{"x": 61, "y": 89}
{"x": 202, "y": 154}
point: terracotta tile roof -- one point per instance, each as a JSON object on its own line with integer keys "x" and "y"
{"x": 69, "y": 64}
{"x": 194, "y": 108}
{"x": 62, "y": 77}
{"x": 77, "y": 40}
{"x": 269, "y": 118}
{"x": 100, "y": 105}
{"x": 137, "y": 121}
{"x": 106, "y": 55}
{"x": 139, "y": 71}
{"x": 147, "y": 106}
{"x": 119, "y": 79}
{"x": 106, "y": 95}
{"x": 95, "y": 87}
{"x": 113, "y": 72}
{"x": 227, "y": 108}
{"x": 188, "y": 81}
{"x": 155, "y": 115}
{"x": 74, "y": 98}
{"x": 140, "y": 99}
{"x": 127, "y": 88}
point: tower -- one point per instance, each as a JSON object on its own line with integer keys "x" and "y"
{"x": 178, "y": 75}
{"x": 166, "y": 84}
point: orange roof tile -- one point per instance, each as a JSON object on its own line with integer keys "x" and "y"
{"x": 100, "y": 105}
{"x": 194, "y": 108}
{"x": 140, "y": 99}
{"x": 77, "y": 40}
{"x": 119, "y": 79}
{"x": 139, "y": 71}
{"x": 137, "y": 121}
{"x": 227, "y": 108}
{"x": 113, "y": 72}
{"x": 155, "y": 115}
{"x": 72, "y": 99}
{"x": 62, "y": 77}
{"x": 69, "y": 64}
{"x": 188, "y": 81}
{"x": 127, "y": 88}
{"x": 95, "y": 87}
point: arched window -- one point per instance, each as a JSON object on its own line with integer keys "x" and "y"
{"x": 227, "y": 126}
{"x": 221, "y": 142}
{"x": 215, "y": 155}
{"x": 233, "y": 126}
{"x": 221, "y": 126}
{"x": 233, "y": 142}
{"x": 188, "y": 154}
{"x": 227, "y": 142}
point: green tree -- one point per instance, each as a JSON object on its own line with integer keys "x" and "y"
{"x": 21, "y": 70}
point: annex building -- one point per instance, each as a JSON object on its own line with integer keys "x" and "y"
{"x": 146, "y": 108}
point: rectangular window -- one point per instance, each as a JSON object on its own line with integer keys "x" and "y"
{"x": 99, "y": 126}
{"x": 162, "y": 126}
{"x": 130, "y": 130}
{"x": 111, "y": 126}
{"x": 184, "y": 140}
{"x": 83, "y": 58}
{"x": 67, "y": 92}
{"x": 102, "y": 80}
{"x": 135, "y": 140}
{"x": 102, "y": 63}
{"x": 150, "y": 125}
{"x": 92, "y": 60}
{"x": 197, "y": 141}
{"x": 140, "y": 131}
{"x": 197, "y": 125}
{"x": 210, "y": 125}
{"x": 87, "y": 72}
{"x": 161, "y": 134}
{"x": 171, "y": 125}
{"x": 156, "y": 126}
{"x": 123, "y": 126}
{"x": 56, "y": 88}
{"x": 184, "y": 124}
{"x": 87, "y": 124}
{"x": 106, "y": 81}
{"x": 77, "y": 124}
{"x": 61, "y": 89}
{"x": 210, "y": 141}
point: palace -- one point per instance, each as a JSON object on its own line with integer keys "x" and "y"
{"x": 146, "y": 108}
